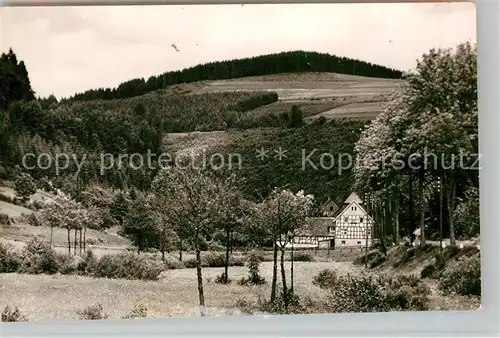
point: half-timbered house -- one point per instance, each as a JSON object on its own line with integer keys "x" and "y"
{"x": 353, "y": 225}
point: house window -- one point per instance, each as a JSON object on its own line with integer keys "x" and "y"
{"x": 355, "y": 208}
{"x": 343, "y": 242}
{"x": 361, "y": 220}
{"x": 331, "y": 208}
{"x": 346, "y": 219}
{"x": 359, "y": 243}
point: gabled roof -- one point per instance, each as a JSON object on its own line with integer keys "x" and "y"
{"x": 318, "y": 226}
{"x": 348, "y": 206}
{"x": 331, "y": 202}
{"x": 353, "y": 197}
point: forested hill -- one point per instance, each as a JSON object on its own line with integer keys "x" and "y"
{"x": 286, "y": 62}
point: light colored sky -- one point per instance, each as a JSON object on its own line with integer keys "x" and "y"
{"x": 72, "y": 49}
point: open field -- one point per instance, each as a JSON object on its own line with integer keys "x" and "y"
{"x": 314, "y": 92}
{"x": 354, "y": 110}
{"x": 42, "y": 297}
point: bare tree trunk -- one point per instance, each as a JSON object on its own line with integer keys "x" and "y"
{"x": 396, "y": 223}
{"x": 84, "y": 239}
{"x": 51, "y": 234}
{"x": 450, "y": 203}
{"x": 283, "y": 279}
{"x": 411, "y": 227}
{"x": 75, "y": 243}
{"x": 200, "y": 281}
{"x": 275, "y": 271}
{"x": 180, "y": 250}
{"x": 226, "y": 263}
{"x": 69, "y": 240}
{"x": 163, "y": 244}
{"x": 81, "y": 242}
{"x": 291, "y": 267}
{"x": 422, "y": 206}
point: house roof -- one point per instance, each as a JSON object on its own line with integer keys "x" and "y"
{"x": 318, "y": 226}
{"x": 353, "y": 197}
{"x": 330, "y": 202}
{"x": 337, "y": 215}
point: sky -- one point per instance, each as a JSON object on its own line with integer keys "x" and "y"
{"x": 73, "y": 49}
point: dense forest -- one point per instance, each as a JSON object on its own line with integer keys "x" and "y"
{"x": 138, "y": 124}
{"x": 286, "y": 62}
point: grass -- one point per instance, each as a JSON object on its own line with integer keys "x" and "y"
{"x": 41, "y": 297}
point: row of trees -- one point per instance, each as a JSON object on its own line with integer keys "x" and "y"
{"x": 420, "y": 156}
{"x": 286, "y": 62}
{"x": 188, "y": 208}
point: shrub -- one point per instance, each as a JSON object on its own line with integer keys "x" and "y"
{"x": 128, "y": 266}
{"x": 236, "y": 261}
{"x": 428, "y": 271}
{"x": 406, "y": 257}
{"x": 173, "y": 263}
{"x": 6, "y": 199}
{"x": 92, "y": 312}
{"x": 302, "y": 257}
{"x": 91, "y": 241}
{"x": 25, "y": 186}
{"x": 88, "y": 264}
{"x": 362, "y": 259}
{"x": 9, "y": 315}
{"x": 325, "y": 279}
{"x": 4, "y": 219}
{"x": 3, "y": 173}
{"x": 38, "y": 257}
{"x": 278, "y": 306}
{"x": 32, "y": 219}
{"x": 214, "y": 260}
{"x": 367, "y": 293}
{"x": 139, "y": 311}
{"x": 254, "y": 277}
{"x": 221, "y": 279}
{"x": 463, "y": 277}
{"x": 9, "y": 260}
{"x": 190, "y": 263}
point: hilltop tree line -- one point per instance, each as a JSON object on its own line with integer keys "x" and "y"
{"x": 285, "y": 62}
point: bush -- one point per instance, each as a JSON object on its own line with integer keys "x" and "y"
{"x": 9, "y": 315}
{"x": 236, "y": 261}
{"x": 254, "y": 277}
{"x": 38, "y": 257}
{"x": 428, "y": 271}
{"x": 173, "y": 263}
{"x": 378, "y": 259}
{"x": 221, "y": 279}
{"x": 362, "y": 259}
{"x": 463, "y": 277}
{"x": 214, "y": 260}
{"x": 128, "y": 266}
{"x": 139, "y": 311}
{"x": 302, "y": 257}
{"x": 93, "y": 312}
{"x": 32, "y": 219}
{"x": 25, "y": 186}
{"x": 88, "y": 264}
{"x": 4, "y": 219}
{"x": 325, "y": 279}
{"x": 293, "y": 305}
{"x": 9, "y": 260}
{"x": 190, "y": 263}
{"x": 367, "y": 293}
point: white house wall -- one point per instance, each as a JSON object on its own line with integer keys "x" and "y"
{"x": 351, "y": 226}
